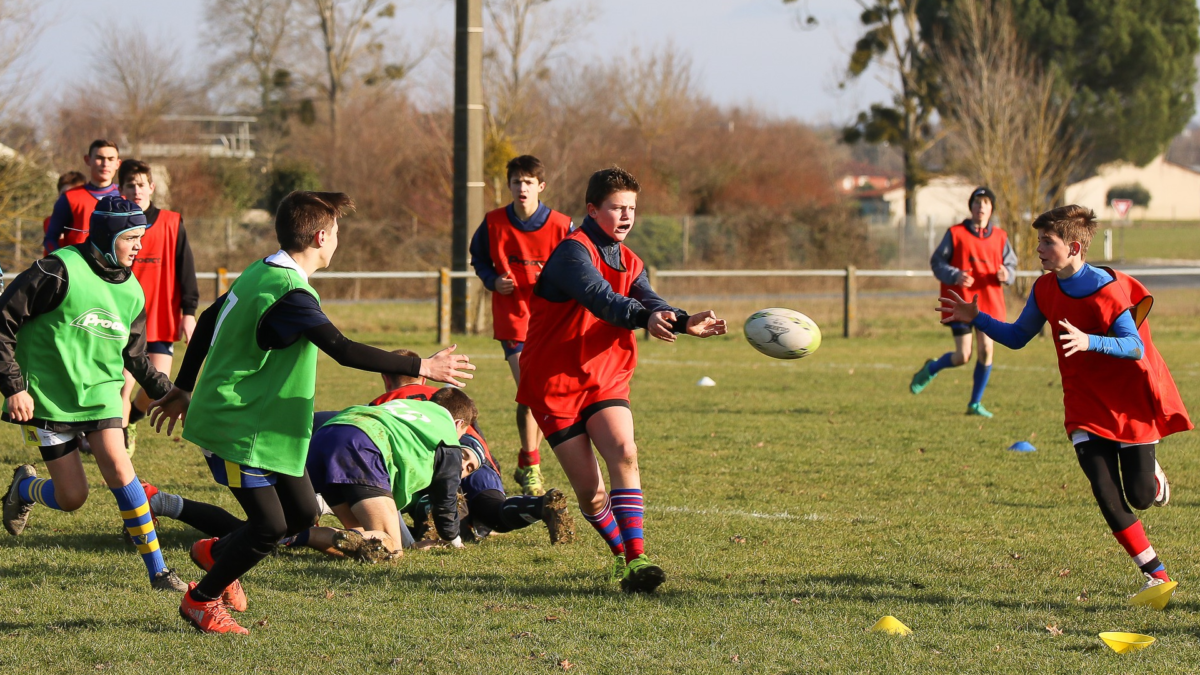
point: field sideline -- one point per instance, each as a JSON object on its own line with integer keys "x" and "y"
{"x": 791, "y": 505}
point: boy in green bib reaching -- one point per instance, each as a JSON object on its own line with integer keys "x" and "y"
{"x": 80, "y": 315}
{"x": 252, "y": 408}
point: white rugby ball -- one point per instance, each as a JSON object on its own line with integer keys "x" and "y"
{"x": 782, "y": 333}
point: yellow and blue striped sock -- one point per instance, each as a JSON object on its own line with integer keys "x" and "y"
{"x": 131, "y": 499}
{"x": 38, "y": 491}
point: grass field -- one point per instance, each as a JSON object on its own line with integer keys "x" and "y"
{"x": 792, "y": 505}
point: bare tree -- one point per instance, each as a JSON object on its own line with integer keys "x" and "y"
{"x": 654, "y": 93}
{"x": 145, "y": 71}
{"x": 256, "y": 41}
{"x": 20, "y": 28}
{"x": 353, "y": 44}
{"x": 1007, "y": 116}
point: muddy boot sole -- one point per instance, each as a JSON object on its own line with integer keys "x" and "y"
{"x": 358, "y": 547}
{"x": 557, "y": 517}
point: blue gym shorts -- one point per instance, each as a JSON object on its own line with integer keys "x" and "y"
{"x": 960, "y": 328}
{"x": 164, "y": 347}
{"x": 511, "y": 347}
{"x": 341, "y": 454}
{"x": 235, "y": 475}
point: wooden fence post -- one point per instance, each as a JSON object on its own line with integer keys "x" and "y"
{"x": 222, "y": 282}
{"x": 443, "y": 306}
{"x": 850, "y": 303}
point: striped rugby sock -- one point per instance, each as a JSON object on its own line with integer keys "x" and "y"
{"x": 606, "y": 525}
{"x": 135, "y": 509}
{"x": 628, "y": 506}
{"x": 39, "y": 491}
{"x": 1135, "y": 543}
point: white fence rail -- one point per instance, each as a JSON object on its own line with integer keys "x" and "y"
{"x": 849, "y": 275}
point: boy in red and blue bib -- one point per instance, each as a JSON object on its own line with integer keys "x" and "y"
{"x": 508, "y": 252}
{"x": 975, "y": 261}
{"x": 580, "y": 356}
{"x": 1119, "y": 397}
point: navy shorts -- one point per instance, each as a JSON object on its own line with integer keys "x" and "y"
{"x": 960, "y": 328}
{"x": 511, "y": 347}
{"x": 340, "y": 454}
{"x": 163, "y": 347}
{"x": 233, "y": 475}
{"x": 484, "y": 478}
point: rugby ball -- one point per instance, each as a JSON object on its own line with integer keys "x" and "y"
{"x": 782, "y": 333}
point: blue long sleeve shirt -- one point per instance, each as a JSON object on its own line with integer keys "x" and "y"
{"x": 570, "y": 275}
{"x": 61, "y": 219}
{"x": 1125, "y": 343}
{"x": 481, "y": 245}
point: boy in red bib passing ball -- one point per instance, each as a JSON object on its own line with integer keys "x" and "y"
{"x": 975, "y": 261}
{"x": 1119, "y": 397}
{"x": 579, "y": 358}
{"x": 508, "y": 252}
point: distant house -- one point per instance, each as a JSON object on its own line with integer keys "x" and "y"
{"x": 1174, "y": 190}
{"x": 867, "y": 185}
{"x": 1174, "y": 195}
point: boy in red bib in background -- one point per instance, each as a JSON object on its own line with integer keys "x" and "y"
{"x": 72, "y": 212}
{"x": 1119, "y": 397}
{"x": 580, "y": 356}
{"x": 167, "y": 273}
{"x": 975, "y": 261}
{"x": 508, "y": 252}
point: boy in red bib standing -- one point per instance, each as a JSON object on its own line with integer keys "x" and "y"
{"x": 1119, "y": 397}
{"x": 580, "y": 356}
{"x": 72, "y": 212}
{"x": 976, "y": 261}
{"x": 508, "y": 252}
{"x": 167, "y": 273}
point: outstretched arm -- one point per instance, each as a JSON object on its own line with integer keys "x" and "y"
{"x": 1012, "y": 335}
{"x": 570, "y": 275}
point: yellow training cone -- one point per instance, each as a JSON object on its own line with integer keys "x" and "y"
{"x": 1155, "y": 596}
{"x": 892, "y": 625}
{"x": 1123, "y": 643}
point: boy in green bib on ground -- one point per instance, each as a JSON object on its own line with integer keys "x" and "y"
{"x": 252, "y": 409}
{"x": 80, "y": 315}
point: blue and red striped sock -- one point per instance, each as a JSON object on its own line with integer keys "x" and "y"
{"x": 606, "y": 525}
{"x": 629, "y": 508}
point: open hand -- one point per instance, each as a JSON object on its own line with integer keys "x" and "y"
{"x": 705, "y": 324}
{"x": 446, "y": 366}
{"x": 955, "y": 309}
{"x": 1073, "y": 340}
{"x": 505, "y": 285}
{"x": 171, "y": 408}
{"x": 20, "y": 406}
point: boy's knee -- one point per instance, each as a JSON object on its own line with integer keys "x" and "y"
{"x": 592, "y": 502}
{"x": 1142, "y": 493}
{"x": 70, "y": 499}
{"x": 625, "y": 453}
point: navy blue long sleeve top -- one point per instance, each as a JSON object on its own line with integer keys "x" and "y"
{"x": 61, "y": 219}
{"x": 570, "y": 275}
{"x": 1125, "y": 343}
{"x": 481, "y": 245}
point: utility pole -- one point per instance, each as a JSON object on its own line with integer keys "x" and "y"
{"x": 468, "y": 146}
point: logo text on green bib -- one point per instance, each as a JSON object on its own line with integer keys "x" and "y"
{"x": 102, "y": 323}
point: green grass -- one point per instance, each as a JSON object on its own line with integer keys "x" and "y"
{"x": 853, "y": 498}
{"x": 1180, "y": 241}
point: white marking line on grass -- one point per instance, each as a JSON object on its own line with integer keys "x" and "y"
{"x": 736, "y": 512}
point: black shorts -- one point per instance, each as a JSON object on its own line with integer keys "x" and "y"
{"x": 959, "y": 328}
{"x": 164, "y": 347}
{"x": 56, "y": 440}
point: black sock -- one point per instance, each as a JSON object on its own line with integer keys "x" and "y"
{"x": 136, "y": 415}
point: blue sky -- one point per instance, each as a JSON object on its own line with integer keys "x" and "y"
{"x": 745, "y": 51}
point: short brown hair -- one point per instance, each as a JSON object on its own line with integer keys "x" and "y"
{"x": 71, "y": 179}
{"x": 402, "y": 380}
{"x": 607, "y": 182}
{"x": 133, "y": 167}
{"x": 526, "y": 165}
{"x": 101, "y": 143}
{"x": 457, "y": 403}
{"x": 1069, "y": 223}
{"x": 302, "y": 214}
